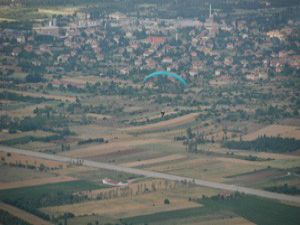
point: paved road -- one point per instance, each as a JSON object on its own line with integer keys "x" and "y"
{"x": 153, "y": 174}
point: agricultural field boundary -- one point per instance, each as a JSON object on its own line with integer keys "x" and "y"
{"x": 152, "y": 174}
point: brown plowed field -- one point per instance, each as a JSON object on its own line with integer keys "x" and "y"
{"x": 163, "y": 124}
{"x": 155, "y": 160}
{"x": 275, "y": 130}
{"x": 111, "y": 147}
{"x": 34, "y": 182}
{"x": 16, "y": 159}
{"x": 124, "y": 207}
{"x": 132, "y": 189}
{"x": 63, "y": 98}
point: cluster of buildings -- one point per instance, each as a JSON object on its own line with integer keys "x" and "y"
{"x": 190, "y": 47}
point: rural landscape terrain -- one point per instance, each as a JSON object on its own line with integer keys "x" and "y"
{"x": 135, "y": 112}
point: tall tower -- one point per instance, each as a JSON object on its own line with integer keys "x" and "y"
{"x": 209, "y": 10}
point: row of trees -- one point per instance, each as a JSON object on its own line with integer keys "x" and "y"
{"x": 91, "y": 140}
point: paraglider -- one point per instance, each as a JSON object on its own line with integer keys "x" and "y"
{"x": 168, "y": 74}
{"x": 182, "y": 81}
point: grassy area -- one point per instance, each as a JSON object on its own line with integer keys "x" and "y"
{"x": 20, "y": 14}
{"x": 166, "y": 217}
{"x": 79, "y": 220}
{"x": 166, "y": 129}
{"x": 257, "y": 210}
{"x": 97, "y": 175}
{"x": 12, "y": 174}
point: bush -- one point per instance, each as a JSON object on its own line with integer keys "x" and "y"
{"x": 167, "y": 201}
{"x": 34, "y": 78}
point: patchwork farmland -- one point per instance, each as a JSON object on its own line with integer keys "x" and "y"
{"x": 149, "y": 112}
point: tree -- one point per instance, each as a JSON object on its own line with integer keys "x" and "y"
{"x": 191, "y": 143}
{"x": 42, "y": 167}
{"x": 34, "y": 78}
{"x": 192, "y": 146}
{"x": 189, "y": 133}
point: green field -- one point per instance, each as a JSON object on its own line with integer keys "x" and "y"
{"x": 257, "y": 210}
{"x": 48, "y": 194}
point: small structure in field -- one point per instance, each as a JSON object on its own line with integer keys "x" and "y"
{"x": 114, "y": 183}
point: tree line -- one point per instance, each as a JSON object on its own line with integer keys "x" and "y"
{"x": 37, "y": 122}
{"x": 91, "y": 140}
{"x": 265, "y": 144}
{"x": 286, "y": 189}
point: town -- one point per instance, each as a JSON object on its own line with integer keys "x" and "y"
{"x": 219, "y": 46}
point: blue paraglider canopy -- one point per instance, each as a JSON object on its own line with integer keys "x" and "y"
{"x": 166, "y": 73}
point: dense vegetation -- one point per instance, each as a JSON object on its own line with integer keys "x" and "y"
{"x": 17, "y": 97}
{"x": 267, "y": 144}
{"x": 37, "y": 122}
{"x": 286, "y": 189}
{"x": 26, "y": 139}
{"x": 47, "y": 195}
{"x": 6, "y": 218}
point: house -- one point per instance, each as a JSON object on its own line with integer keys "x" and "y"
{"x": 124, "y": 71}
{"x": 217, "y": 72}
{"x": 28, "y": 48}
{"x": 138, "y": 62}
{"x": 44, "y": 49}
{"x": 167, "y": 60}
{"x": 228, "y": 61}
{"x": 51, "y": 31}
{"x": 147, "y": 53}
{"x": 155, "y": 40}
{"x": 150, "y": 63}
{"x": 229, "y": 46}
{"x": 16, "y": 51}
{"x": 275, "y": 34}
{"x": 117, "y": 16}
{"x": 197, "y": 65}
{"x": 193, "y": 72}
{"x": 225, "y": 195}
{"x": 63, "y": 58}
{"x": 263, "y": 75}
{"x": 21, "y": 39}
{"x": 194, "y": 54}
{"x": 251, "y": 77}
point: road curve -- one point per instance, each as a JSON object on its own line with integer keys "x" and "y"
{"x": 152, "y": 174}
